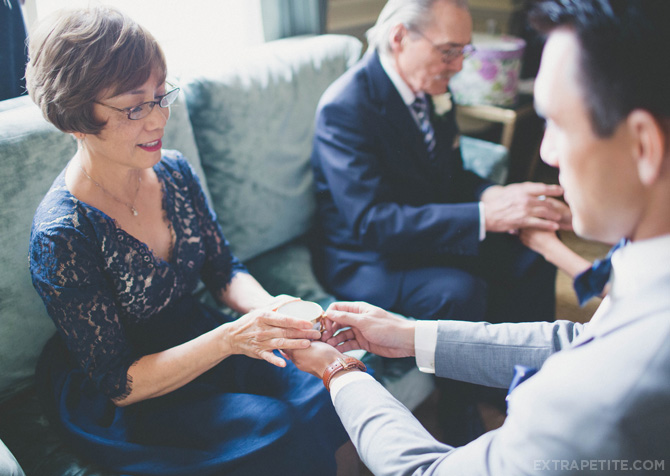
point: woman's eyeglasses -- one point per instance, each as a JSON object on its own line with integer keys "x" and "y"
{"x": 143, "y": 110}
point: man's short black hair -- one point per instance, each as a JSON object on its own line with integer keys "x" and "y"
{"x": 624, "y": 62}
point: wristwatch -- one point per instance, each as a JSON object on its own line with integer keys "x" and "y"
{"x": 341, "y": 363}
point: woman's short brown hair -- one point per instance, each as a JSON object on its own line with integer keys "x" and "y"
{"x": 75, "y": 56}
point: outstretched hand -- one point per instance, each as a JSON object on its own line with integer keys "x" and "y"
{"x": 364, "y": 326}
{"x": 260, "y": 332}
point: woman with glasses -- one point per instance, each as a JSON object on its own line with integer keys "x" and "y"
{"x": 141, "y": 376}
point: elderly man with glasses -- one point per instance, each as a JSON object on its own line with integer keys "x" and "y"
{"x": 401, "y": 223}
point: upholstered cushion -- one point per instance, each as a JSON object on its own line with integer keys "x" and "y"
{"x": 253, "y": 119}
{"x": 485, "y": 158}
{"x": 32, "y": 153}
{"x": 179, "y": 136}
{"x": 287, "y": 269}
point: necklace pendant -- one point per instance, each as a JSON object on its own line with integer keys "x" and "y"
{"x": 132, "y": 209}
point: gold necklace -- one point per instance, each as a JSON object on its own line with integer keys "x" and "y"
{"x": 133, "y": 210}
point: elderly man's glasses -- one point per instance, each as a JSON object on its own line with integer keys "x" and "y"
{"x": 450, "y": 53}
{"x": 143, "y": 110}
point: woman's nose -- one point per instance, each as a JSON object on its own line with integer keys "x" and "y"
{"x": 158, "y": 117}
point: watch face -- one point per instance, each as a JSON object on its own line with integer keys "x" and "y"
{"x": 307, "y": 310}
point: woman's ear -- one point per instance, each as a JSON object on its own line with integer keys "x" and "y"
{"x": 78, "y": 135}
{"x": 649, "y": 144}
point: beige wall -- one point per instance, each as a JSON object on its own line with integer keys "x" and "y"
{"x": 353, "y": 17}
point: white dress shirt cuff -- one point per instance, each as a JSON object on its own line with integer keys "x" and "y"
{"x": 346, "y": 379}
{"x": 482, "y": 222}
{"x": 425, "y": 341}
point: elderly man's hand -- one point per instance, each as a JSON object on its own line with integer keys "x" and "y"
{"x": 523, "y": 205}
{"x": 364, "y": 326}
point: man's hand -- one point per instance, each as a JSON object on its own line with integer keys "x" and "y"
{"x": 369, "y": 328}
{"x": 523, "y": 205}
{"x": 315, "y": 359}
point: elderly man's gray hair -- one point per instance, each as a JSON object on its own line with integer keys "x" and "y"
{"x": 414, "y": 14}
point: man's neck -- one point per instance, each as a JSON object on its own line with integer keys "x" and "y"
{"x": 390, "y": 67}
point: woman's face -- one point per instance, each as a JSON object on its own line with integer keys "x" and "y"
{"x": 131, "y": 143}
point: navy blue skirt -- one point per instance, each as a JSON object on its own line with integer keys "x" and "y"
{"x": 243, "y": 417}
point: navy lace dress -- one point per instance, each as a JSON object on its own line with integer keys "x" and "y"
{"x": 113, "y": 301}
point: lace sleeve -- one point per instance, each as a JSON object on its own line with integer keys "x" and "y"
{"x": 67, "y": 273}
{"x": 220, "y": 264}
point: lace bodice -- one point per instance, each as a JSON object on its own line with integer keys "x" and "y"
{"x": 101, "y": 285}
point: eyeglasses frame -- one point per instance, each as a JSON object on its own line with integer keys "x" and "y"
{"x": 128, "y": 110}
{"x": 453, "y": 53}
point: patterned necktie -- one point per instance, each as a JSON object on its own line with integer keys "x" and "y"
{"x": 420, "y": 107}
{"x": 591, "y": 282}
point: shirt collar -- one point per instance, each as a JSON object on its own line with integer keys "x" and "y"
{"x": 401, "y": 86}
{"x": 638, "y": 265}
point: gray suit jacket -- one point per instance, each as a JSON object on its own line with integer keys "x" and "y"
{"x": 600, "y": 405}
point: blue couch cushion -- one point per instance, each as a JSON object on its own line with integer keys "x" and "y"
{"x": 253, "y": 118}
{"x": 486, "y": 159}
{"x": 32, "y": 153}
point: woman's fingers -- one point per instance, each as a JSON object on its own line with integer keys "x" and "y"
{"x": 283, "y": 339}
{"x": 272, "y": 358}
{"x": 277, "y": 319}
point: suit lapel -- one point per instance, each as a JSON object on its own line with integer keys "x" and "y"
{"x": 399, "y": 121}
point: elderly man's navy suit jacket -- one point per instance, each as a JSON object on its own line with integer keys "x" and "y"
{"x": 380, "y": 198}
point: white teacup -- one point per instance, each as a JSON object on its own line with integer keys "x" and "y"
{"x": 307, "y": 310}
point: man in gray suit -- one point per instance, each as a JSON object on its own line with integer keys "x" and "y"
{"x": 600, "y": 401}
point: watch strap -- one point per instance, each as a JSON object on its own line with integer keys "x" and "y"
{"x": 341, "y": 363}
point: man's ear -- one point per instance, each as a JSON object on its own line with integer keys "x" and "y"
{"x": 649, "y": 144}
{"x": 397, "y": 35}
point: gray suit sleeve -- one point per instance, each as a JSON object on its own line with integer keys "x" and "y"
{"x": 485, "y": 354}
{"x": 8, "y": 464}
{"x": 597, "y": 404}
{"x": 390, "y": 441}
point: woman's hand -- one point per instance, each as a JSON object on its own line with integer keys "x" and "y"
{"x": 540, "y": 241}
{"x": 549, "y": 245}
{"x": 260, "y": 332}
{"x": 364, "y": 326}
